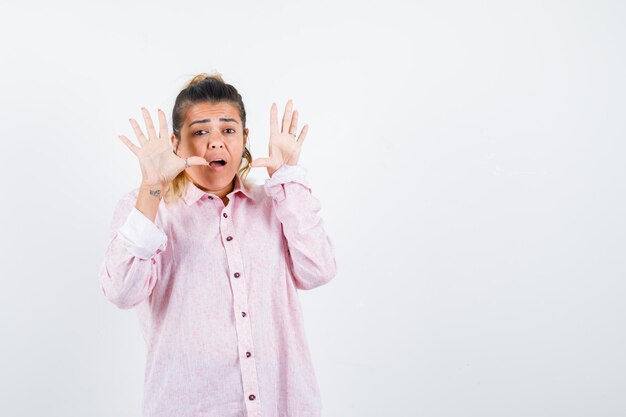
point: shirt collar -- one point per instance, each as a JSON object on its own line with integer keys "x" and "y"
{"x": 193, "y": 193}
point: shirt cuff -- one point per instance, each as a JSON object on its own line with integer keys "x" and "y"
{"x": 141, "y": 236}
{"x": 283, "y": 175}
{"x": 286, "y": 173}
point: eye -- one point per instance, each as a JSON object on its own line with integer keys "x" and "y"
{"x": 202, "y": 132}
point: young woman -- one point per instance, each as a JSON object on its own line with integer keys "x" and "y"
{"x": 213, "y": 271}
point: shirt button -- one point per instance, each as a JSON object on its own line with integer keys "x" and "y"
{"x": 229, "y": 238}
{"x": 225, "y": 215}
{"x": 243, "y": 314}
{"x": 237, "y": 274}
{"x": 248, "y": 354}
{"x": 210, "y": 197}
{"x": 252, "y": 397}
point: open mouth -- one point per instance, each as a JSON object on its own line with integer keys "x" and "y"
{"x": 217, "y": 162}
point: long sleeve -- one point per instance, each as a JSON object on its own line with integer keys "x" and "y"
{"x": 130, "y": 268}
{"x": 311, "y": 250}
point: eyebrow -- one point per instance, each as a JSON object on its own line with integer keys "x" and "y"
{"x": 222, "y": 119}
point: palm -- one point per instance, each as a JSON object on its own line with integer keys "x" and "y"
{"x": 159, "y": 165}
{"x": 283, "y": 146}
{"x": 159, "y": 162}
{"x": 283, "y": 149}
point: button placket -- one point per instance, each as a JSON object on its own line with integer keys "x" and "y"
{"x": 242, "y": 319}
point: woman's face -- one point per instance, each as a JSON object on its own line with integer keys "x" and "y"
{"x": 212, "y": 131}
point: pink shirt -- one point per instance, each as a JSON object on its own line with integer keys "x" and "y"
{"x": 215, "y": 291}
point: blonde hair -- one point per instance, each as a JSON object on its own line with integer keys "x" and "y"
{"x": 204, "y": 88}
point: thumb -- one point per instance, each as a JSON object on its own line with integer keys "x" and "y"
{"x": 260, "y": 162}
{"x": 196, "y": 160}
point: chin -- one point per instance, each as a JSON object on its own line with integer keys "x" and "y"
{"x": 215, "y": 180}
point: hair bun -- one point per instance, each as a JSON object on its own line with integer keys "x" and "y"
{"x": 204, "y": 76}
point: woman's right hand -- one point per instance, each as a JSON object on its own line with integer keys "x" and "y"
{"x": 159, "y": 164}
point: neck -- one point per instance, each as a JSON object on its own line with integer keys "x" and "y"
{"x": 221, "y": 193}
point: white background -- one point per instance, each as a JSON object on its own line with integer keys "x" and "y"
{"x": 469, "y": 158}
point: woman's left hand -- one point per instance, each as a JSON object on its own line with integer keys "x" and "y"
{"x": 284, "y": 148}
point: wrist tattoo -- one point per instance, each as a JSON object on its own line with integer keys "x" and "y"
{"x": 156, "y": 193}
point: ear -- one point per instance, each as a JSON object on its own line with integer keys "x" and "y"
{"x": 245, "y": 136}
{"x": 174, "y": 144}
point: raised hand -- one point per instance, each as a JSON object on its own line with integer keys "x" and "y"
{"x": 284, "y": 148}
{"x": 159, "y": 164}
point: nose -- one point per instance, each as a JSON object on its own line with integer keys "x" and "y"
{"x": 216, "y": 142}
